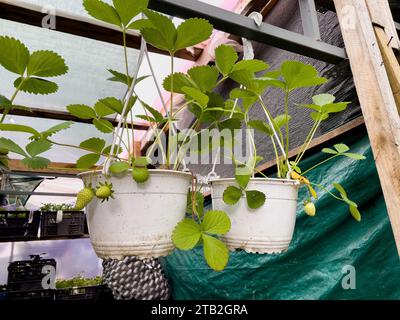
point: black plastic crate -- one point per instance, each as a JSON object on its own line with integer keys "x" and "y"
{"x": 26, "y": 275}
{"x": 19, "y": 224}
{"x": 72, "y": 224}
{"x": 100, "y": 292}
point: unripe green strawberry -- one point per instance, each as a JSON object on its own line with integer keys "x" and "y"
{"x": 140, "y": 175}
{"x": 84, "y": 197}
{"x": 104, "y": 191}
{"x": 309, "y": 209}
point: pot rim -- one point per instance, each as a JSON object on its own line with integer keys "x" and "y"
{"x": 266, "y": 180}
{"x": 162, "y": 171}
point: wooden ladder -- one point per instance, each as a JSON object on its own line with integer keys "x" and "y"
{"x": 371, "y": 41}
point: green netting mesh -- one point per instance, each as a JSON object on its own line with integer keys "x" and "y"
{"x": 322, "y": 246}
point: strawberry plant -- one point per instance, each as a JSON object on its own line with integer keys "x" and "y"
{"x": 210, "y": 109}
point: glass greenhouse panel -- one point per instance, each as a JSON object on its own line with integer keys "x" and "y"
{"x": 87, "y": 59}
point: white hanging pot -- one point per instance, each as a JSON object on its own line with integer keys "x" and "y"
{"x": 268, "y": 229}
{"x": 141, "y": 218}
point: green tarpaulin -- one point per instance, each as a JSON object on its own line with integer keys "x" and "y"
{"x": 322, "y": 248}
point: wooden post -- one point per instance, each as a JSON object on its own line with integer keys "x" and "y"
{"x": 377, "y": 102}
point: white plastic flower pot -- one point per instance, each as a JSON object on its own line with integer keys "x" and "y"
{"x": 268, "y": 229}
{"x": 141, "y": 218}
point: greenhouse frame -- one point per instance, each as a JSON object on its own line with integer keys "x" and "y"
{"x": 199, "y": 150}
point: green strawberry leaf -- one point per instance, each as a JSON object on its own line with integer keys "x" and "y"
{"x": 255, "y": 199}
{"x": 14, "y": 55}
{"x": 37, "y": 147}
{"x": 103, "y": 125}
{"x": 11, "y": 146}
{"x": 81, "y": 111}
{"x": 36, "y": 162}
{"x": 87, "y": 161}
{"x": 102, "y": 11}
{"x": 216, "y": 222}
{"x": 46, "y": 63}
{"x": 93, "y": 144}
{"x": 36, "y": 85}
{"x": 215, "y": 252}
{"x": 186, "y": 234}
{"x": 191, "y": 32}
{"x": 232, "y": 195}
{"x": 119, "y": 167}
{"x": 128, "y": 9}
{"x": 225, "y": 58}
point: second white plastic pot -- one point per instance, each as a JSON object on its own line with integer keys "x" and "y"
{"x": 268, "y": 229}
{"x": 141, "y": 218}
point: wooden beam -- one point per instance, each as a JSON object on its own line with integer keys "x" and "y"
{"x": 377, "y": 102}
{"x": 319, "y": 141}
{"x": 381, "y": 16}
{"x": 81, "y": 26}
{"x": 391, "y": 64}
{"x": 54, "y": 168}
{"x": 65, "y": 116}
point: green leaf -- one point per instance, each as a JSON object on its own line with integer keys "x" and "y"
{"x": 231, "y": 124}
{"x": 216, "y": 222}
{"x": 57, "y": 128}
{"x": 242, "y": 175}
{"x": 141, "y": 162}
{"x": 232, "y": 195}
{"x": 225, "y": 58}
{"x": 119, "y": 167}
{"x": 191, "y": 32}
{"x": 355, "y": 213}
{"x": 329, "y": 150}
{"x": 93, "y": 144}
{"x": 341, "y": 147}
{"x": 255, "y": 199}
{"x": 140, "y": 24}
{"x": 36, "y": 162}
{"x": 341, "y": 190}
{"x": 215, "y": 252}
{"x": 186, "y": 234}
{"x": 205, "y": 77}
{"x": 323, "y": 99}
{"x": 335, "y": 107}
{"x": 36, "y": 85}
{"x": 158, "y": 117}
{"x": 46, "y": 63}
{"x": 311, "y": 106}
{"x": 199, "y": 203}
{"x": 81, "y": 111}
{"x": 87, "y": 161}
{"x": 37, "y": 147}
{"x": 252, "y": 66}
{"x": 177, "y": 81}
{"x": 11, "y": 146}
{"x": 102, "y": 11}
{"x": 317, "y": 116}
{"x": 18, "y": 128}
{"x": 281, "y": 120}
{"x": 196, "y": 95}
{"x": 107, "y": 105}
{"x": 119, "y": 77}
{"x": 355, "y": 156}
{"x": 5, "y": 103}
{"x": 163, "y": 34}
{"x": 300, "y": 75}
{"x": 14, "y": 55}
{"x": 261, "y": 126}
{"x": 128, "y": 9}
{"x": 103, "y": 125}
